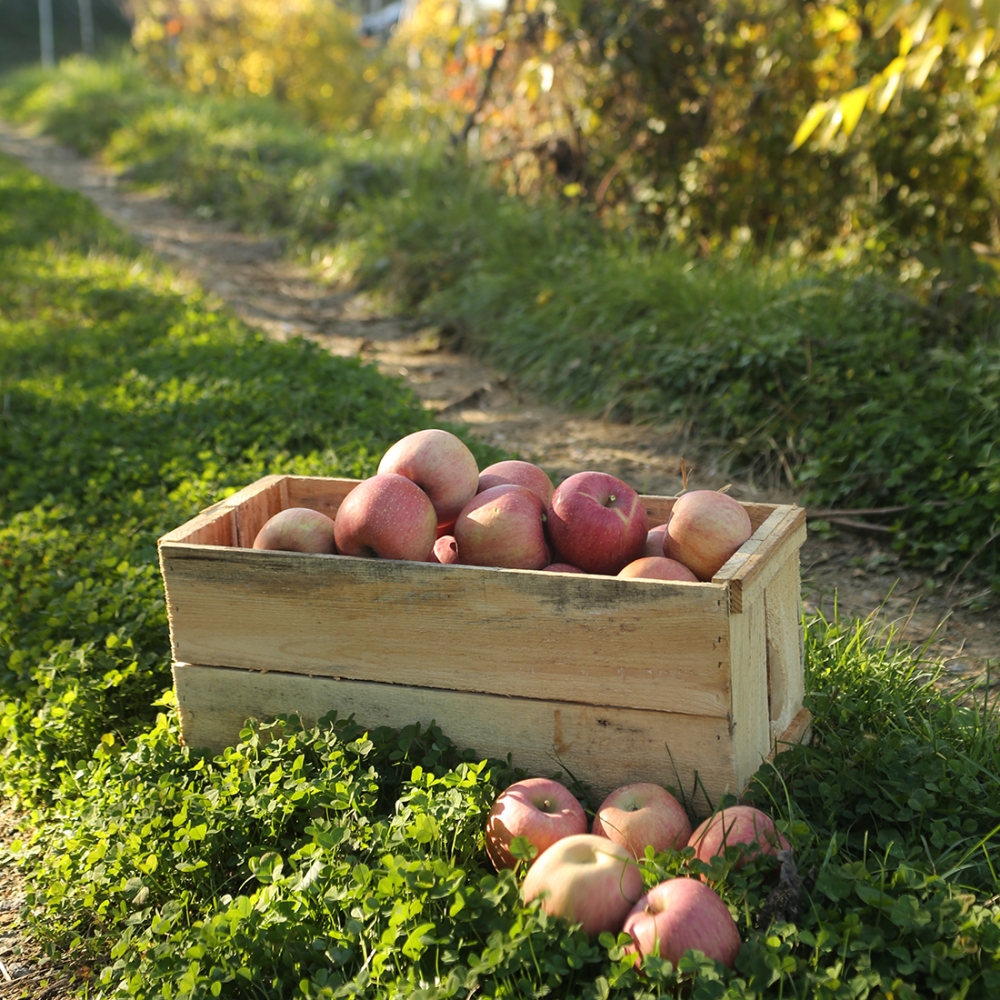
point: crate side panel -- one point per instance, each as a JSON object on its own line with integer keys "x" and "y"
{"x": 605, "y": 747}
{"x": 318, "y": 493}
{"x": 662, "y": 646}
{"x": 783, "y": 620}
{"x": 750, "y": 719}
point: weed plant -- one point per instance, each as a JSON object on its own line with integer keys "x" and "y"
{"x": 334, "y": 862}
{"x": 859, "y": 391}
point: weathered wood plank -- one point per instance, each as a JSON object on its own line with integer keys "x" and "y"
{"x": 606, "y": 747}
{"x": 629, "y": 643}
{"x": 752, "y": 567}
{"x": 785, "y": 674}
{"x": 750, "y": 723}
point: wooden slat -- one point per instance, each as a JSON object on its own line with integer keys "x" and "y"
{"x": 216, "y": 525}
{"x": 750, "y": 723}
{"x": 322, "y": 494}
{"x": 755, "y": 563}
{"x": 605, "y": 747}
{"x": 798, "y": 733}
{"x": 783, "y": 616}
{"x": 599, "y": 640}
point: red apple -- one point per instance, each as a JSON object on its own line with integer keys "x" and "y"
{"x": 597, "y": 522}
{"x": 441, "y": 465}
{"x": 682, "y": 914}
{"x": 561, "y": 568}
{"x": 704, "y": 530}
{"x": 539, "y": 809}
{"x": 736, "y": 825}
{"x": 445, "y": 551}
{"x": 586, "y": 880}
{"x": 520, "y": 474}
{"x": 504, "y": 526}
{"x": 297, "y": 529}
{"x": 641, "y": 815}
{"x": 654, "y": 541}
{"x": 657, "y": 568}
{"x": 387, "y": 516}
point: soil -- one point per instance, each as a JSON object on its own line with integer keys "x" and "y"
{"x": 850, "y": 571}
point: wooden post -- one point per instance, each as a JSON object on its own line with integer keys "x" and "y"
{"x": 46, "y": 32}
{"x": 86, "y": 26}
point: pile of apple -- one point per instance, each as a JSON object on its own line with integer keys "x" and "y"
{"x": 593, "y": 879}
{"x": 429, "y": 502}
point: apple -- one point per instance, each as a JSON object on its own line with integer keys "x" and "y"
{"x": 736, "y": 825}
{"x": 503, "y": 526}
{"x": 705, "y": 528}
{"x": 561, "y": 568}
{"x": 597, "y": 522}
{"x": 441, "y": 465}
{"x": 586, "y": 880}
{"x": 297, "y": 529}
{"x": 445, "y": 551}
{"x": 657, "y": 568}
{"x": 654, "y": 541}
{"x": 387, "y": 516}
{"x": 520, "y": 474}
{"x": 539, "y": 809}
{"x": 641, "y": 815}
{"x": 682, "y": 914}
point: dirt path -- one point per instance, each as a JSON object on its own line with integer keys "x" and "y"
{"x": 959, "y": 622}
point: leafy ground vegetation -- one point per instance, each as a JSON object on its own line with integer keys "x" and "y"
{"x": 334, "y": 862}
{"x": 860, "y": 391}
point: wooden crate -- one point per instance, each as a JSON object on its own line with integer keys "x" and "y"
{"x": 613, "y": 680}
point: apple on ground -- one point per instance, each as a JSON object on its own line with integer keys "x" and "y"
{"x": 586, "y": 880}
{"x": 387, "y": 516}
{"x": 297, "y": 529}
{"x": 704, "y": 530}
{"x": 520, "y": 474}
{"x": 445, "y": 551}
{"x": 539, "y": 809}
{"x": 734, "y": 825}
{"x": 641, "y": 815}
{"x": 562, "y": 568}
{"x": 682, "y": 914}
{"x": 503, "y": 526}
{"x": 441, "y": 465}
{"x": 597, "y": 522}
{"x": 657, "y": 568}
{"x": 654, "y": 541}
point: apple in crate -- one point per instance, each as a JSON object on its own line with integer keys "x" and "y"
{"x": 297, "y": 529}
{"x": 441, "y": 465}
{"x": 682, "y": 914}
{"x": 654, "y": 541}
{"x": 704, "y": 530}
{"x": 597, "y": 522}
{"x": 657, "y": 568}
{"x": 643, "y": 815}
{"x": 562, "y": 568}
{"x": 387, "y": 516}
{"x": 586, "y": 880}
{"x": 744, "y": 825}
{"x": 520, "y": 474}
{"x": 445, "y": 551}
{"x": 539, "y": 809}
{"x": 503, "y": 526}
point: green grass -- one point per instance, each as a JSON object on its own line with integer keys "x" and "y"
{"x": 328, "y": 862}
{"x": 859, "y": 391}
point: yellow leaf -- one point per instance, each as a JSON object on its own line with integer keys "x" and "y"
{"x": 921, "y": 64}
{"x": 826, "y": 137}
{"x": 887, "y": 93}
{"x": 812, "y": 119}
{"x": 851, "y": 106}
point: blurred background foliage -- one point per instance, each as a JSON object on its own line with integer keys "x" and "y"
{"x": 676, "y": 117}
